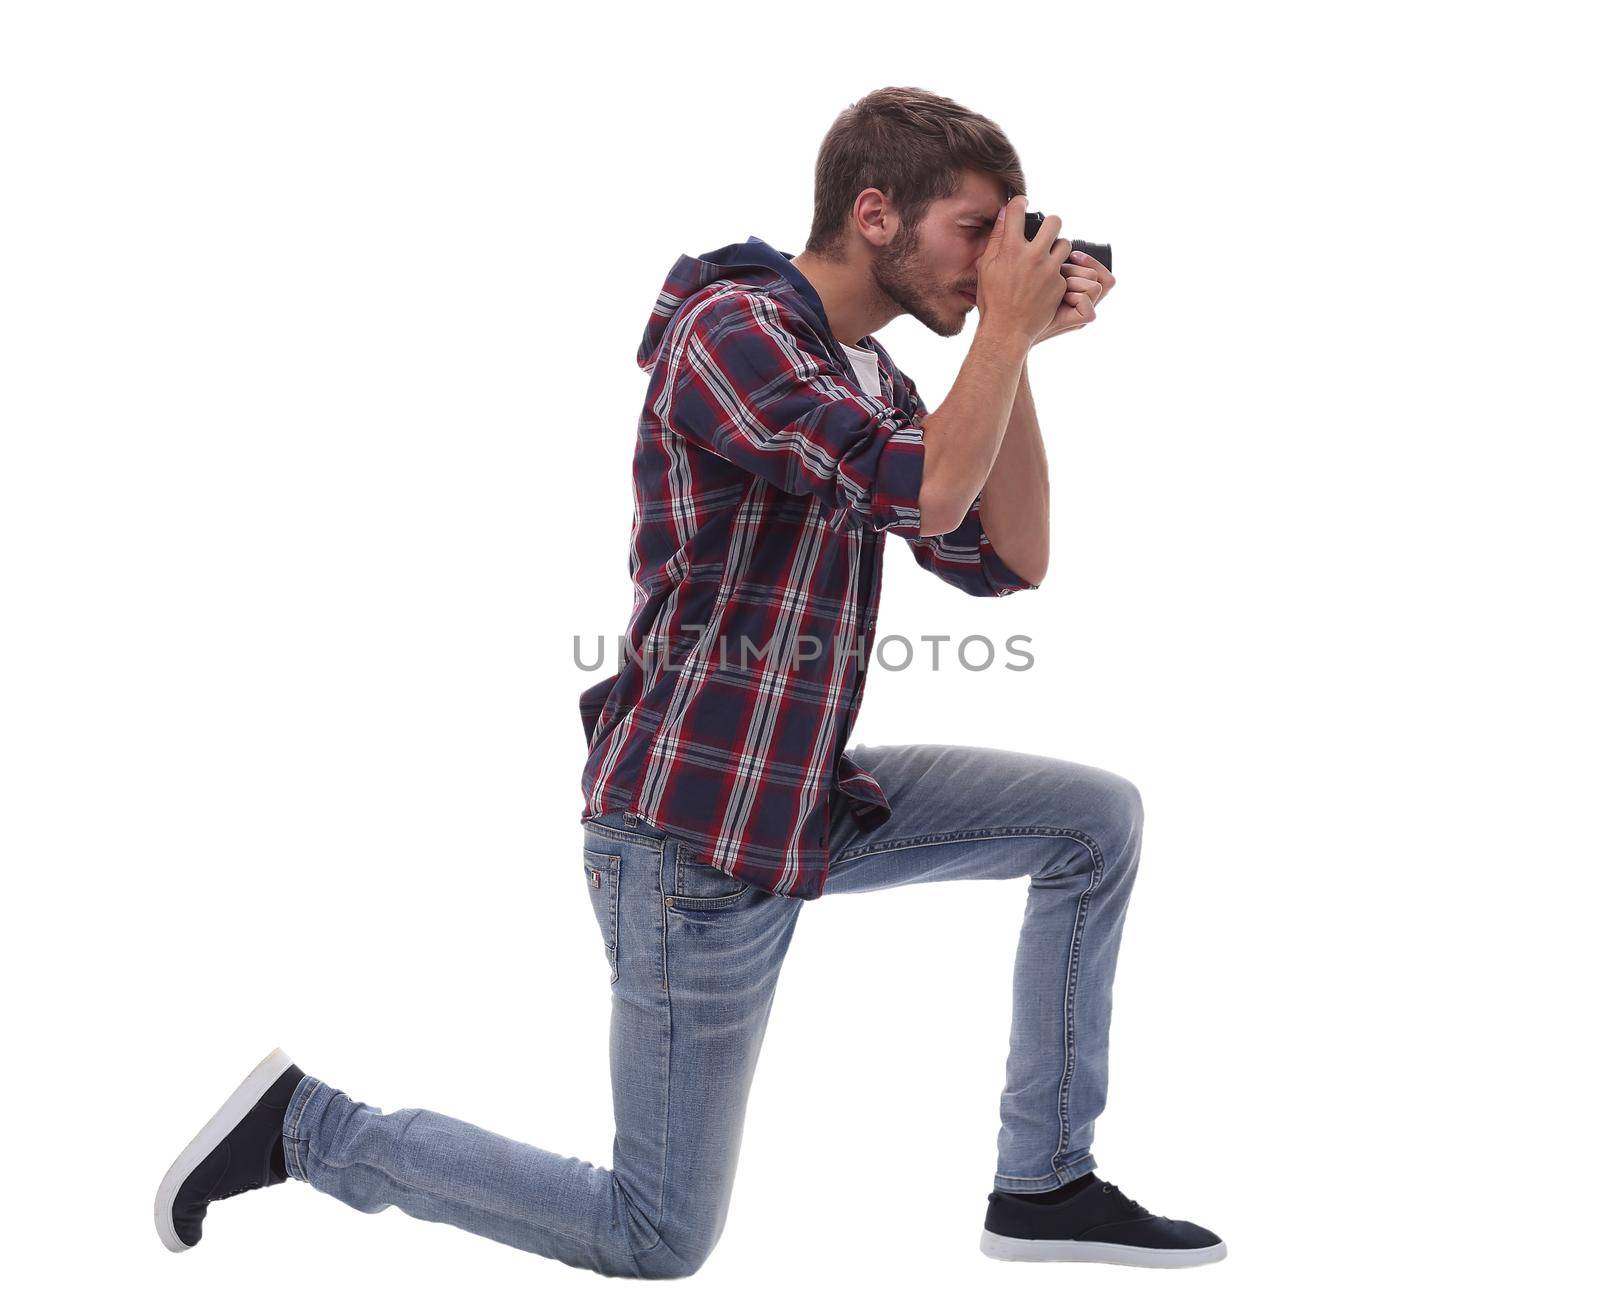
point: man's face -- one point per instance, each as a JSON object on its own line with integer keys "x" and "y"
{"x": 931, "y": 273}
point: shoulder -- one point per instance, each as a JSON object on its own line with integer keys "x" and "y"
{"x": 754, "y": 324}
{"x": 724, "y": 305}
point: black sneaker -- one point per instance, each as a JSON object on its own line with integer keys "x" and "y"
{"x": 240, "y": 1148}
{"x": 1096, "y": 1223}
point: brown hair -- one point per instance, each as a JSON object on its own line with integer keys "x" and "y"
{"x": 910, "y": 143}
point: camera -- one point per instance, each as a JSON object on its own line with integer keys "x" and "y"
{"x": 1101, "y": 252}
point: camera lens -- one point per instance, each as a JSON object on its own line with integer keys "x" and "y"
{"x": 1101, "y": 252}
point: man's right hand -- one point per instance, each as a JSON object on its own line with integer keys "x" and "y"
{"x": 1019, "y": 279}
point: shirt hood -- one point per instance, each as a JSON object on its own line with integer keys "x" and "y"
{"x": 754, "y": 261}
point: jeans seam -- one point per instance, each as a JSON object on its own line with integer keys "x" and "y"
{"x": 300, "y": 1108}
{"x": 964, "y": 834}
{"x": 297, "y": 1142}
{"x": 459, "y": 1201}
{"x": 294, "y": 1128}
{"x": 610, "y": 925}
{"x": 622, "y": 835}
{"x": 659, "y": 1242}
{"x": 1053, "y": 1179}
{"x": 1049, "y": 1178}
{"x": 1070, "y": 1059}
{"x": 660, "y": 916}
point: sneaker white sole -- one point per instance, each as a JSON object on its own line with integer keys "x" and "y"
{"x": 241, "y": 1100}
{"x": 997, "y": 1246}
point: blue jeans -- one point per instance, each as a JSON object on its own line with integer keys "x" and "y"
{"x": 694, "y": 955}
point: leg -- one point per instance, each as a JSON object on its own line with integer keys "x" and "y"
{"x": 694, "y": 959}
{"x": 979, "y": 812}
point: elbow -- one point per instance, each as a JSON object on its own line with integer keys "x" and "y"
{"x": 939, "y": 519}
{"x": 944, "y": 504}
{"x": 1026, "y": 567}
{"x": 942, "y": 510}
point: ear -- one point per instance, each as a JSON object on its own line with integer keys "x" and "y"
{"x": 878, "y": 214}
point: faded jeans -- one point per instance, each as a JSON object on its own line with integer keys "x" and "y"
{"x": 694, "y": 956}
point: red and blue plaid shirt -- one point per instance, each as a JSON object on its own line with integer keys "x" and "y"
{"x": 764, "y": 477}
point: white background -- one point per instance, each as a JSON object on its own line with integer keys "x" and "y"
{"x": 319, "y": 396}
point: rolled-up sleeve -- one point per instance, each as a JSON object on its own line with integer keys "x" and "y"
{"x": 963, "y": 557}
{"x": 747, "y": 381}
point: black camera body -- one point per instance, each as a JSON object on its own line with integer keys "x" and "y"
{"x": 1101, "y": 252}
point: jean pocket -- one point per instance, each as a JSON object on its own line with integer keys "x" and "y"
{"x": 601, "y": 874}
{"x": 700, "y": 886}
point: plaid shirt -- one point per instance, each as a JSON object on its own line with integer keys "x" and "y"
{"x": 764, "y": 477}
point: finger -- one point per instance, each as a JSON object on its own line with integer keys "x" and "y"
{"x": 1059, "y": 251}
{"x": 1080, "y": 276}
{"x": 1091, "y": 286}
{"x": 1046, "y": 237}
{"x": 1089, "y": 263}
{"x": 1088, "y": 268}
{"x": 1008, "y": 223}
{"x": 1082, "y": 303}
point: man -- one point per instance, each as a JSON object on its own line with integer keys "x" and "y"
{"x": 778, "y": 442}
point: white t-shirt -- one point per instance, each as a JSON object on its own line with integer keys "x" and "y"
{"x": 865, "y": 363}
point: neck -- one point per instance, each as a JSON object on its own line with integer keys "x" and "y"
{"x": 855, "y": 306}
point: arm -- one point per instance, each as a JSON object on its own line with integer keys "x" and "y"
{"x": 963, "y": 437}
{"x": 965, "y": 556}
{"x": 1017, "y": 493}
{"x": 985, "y": 437}
{"x": 1016, "y": 497}
{"x": 750, "y": 383}
{"x": 1012, "y": 494}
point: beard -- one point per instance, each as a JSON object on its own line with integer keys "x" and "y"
{"x": 897, "y": 271}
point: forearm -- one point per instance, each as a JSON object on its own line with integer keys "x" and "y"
{"x": 963, "y": 437}
{"x": 1015, "y": 510}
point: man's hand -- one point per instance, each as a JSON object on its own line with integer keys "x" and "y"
{"x": 1019, "y": 279}
{"x": 1086, "y": 286}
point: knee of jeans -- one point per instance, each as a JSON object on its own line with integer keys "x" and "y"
{"x": 1124, "y": 816}
{"x": 1112, "y": 818}
{"x": 688, "y": 1244}
{"x": 662, "y": 1261}
{"x": 1131, "y": 806}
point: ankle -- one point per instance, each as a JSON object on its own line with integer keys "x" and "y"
{"x": 1052, "y": 1196}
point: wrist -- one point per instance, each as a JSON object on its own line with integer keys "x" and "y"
{"x": 1009, "y": 341}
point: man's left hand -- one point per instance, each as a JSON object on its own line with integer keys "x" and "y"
{"x": 1086, "y": 285}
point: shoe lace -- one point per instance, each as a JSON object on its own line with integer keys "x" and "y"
{"x": 1109, "y": 1187}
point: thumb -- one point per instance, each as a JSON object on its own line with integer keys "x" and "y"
{"x": 997, "y": 234}
{"x": 998, "y": 229}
